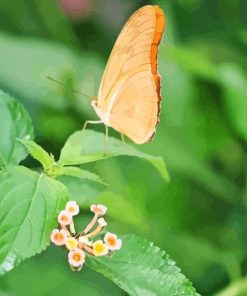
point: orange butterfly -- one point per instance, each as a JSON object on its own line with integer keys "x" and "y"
{"x": 129, "y": 94}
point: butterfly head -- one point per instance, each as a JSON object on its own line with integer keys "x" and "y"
{"x": 94, "y": 102}
{"x": 102, "y": 116}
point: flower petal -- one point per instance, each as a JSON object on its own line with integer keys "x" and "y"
{"x": 76, "y": 257}
{"x": 65, "y": 218}
{"x": 58, "y": 237}
{"x": 72, "y": 207}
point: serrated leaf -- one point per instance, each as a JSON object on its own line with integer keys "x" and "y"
{"x": 29, "y": 206}
{"x": 83, "y": 147}
{"x": 82, "y": 174}
{"x": 15, "y": 124}
{"x": 140, "y": 268}
{"x": 38, "y": 153}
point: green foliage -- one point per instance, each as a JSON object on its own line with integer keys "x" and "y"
{"x": 82, "y": 190}
{"x": 121, "y": 210}
{"x": 88, "y": 146}
{"x": 81, "y": 174}
{"x": 48, "y": 273}
{"x": 38, "y": 153}
{"x": 30, "y": 203}
{"x": 234, "y": 84}
{"x": 36, "y": 18}
{"x": 200, "y": 217}
{"x": 29, "y": 206}
{"x": 16, "y": 125}
{"x": 53, "y": 60}
{"x": 141, "y": 268}
{"x": 52, "y": 168}
{"x": 238, "y": 288}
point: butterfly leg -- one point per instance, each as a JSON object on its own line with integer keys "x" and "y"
{"x": 123, "y": 140}
{"x": 92, "y": 122}
{"x": 106, "y": 140}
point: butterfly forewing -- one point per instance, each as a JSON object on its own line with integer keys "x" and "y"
{"x": 129, "y": 93}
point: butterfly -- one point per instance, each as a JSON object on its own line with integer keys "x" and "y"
{"x": 129, "y": 93}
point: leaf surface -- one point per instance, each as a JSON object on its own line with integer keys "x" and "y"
{"x": 88, "y": 146}
{"x": 142, "y": 269}
{"x": 38, "y": 153}
{"x": 15, "y": 124}
{"x": 29, "y": 207}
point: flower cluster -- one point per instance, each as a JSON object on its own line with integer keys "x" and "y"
{"x": 80, "y": 243}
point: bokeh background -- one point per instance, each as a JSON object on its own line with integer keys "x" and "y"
{"x": 200, "y": 218}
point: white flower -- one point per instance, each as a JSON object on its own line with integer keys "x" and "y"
{"x": 102, "y": 222}
{"x": 99, "y": 210}
{"x": 112, "y": 242}
{"x": 65, "y": 218}
{"x": 76, "y": 257}
{"x": 72, "y": 207}
{"x": 84, "y": 240}
{"x": 99, "y": 248}
{"x": 58, "y": 237}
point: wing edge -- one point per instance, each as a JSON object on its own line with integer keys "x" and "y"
{"x": 159, "y": 30}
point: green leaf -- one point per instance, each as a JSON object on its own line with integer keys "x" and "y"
{"x": 82, "y": 190}
{"x": 81, "y": 174}
{"x": 29, "y": 206}
{"x": 49, "y": 274}
{"x": 83, "y": 147}
{"x": 86, "y": 192}
{"x": 140, "y": 268}
{"x": 119, "y": 209}
{"x": 38, "y": 153}
{"x": 16, "y": 124}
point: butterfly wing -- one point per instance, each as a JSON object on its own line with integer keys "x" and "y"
{"x": 129, "y": 94}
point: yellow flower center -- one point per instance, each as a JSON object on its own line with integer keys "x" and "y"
{"x": 72, "y": 243}
{"x": 111, "y": 241}
{"x": 64, "y": 218}
{"x": 97, "y": 210}
{"x": 77, "y": 257}
{"x": 71, "y": 209}
{"x": 99, "y": 248}
{"x": 58, "y": 236}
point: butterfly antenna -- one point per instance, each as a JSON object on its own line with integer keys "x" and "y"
{"x": 64, "y": 85}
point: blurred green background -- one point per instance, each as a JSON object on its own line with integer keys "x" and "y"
{"x": 200, "y": 218}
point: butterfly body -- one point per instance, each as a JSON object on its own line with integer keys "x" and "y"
{"x": 129, "y": 94}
